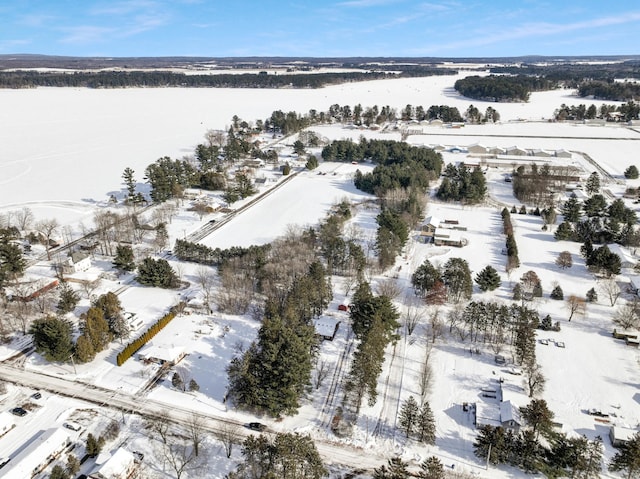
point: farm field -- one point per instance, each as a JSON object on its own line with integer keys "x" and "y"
{"x": 75, "y": 164}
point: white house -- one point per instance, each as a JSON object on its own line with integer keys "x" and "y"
{"x": 41, "y": 451}
{"x": 510, "y": 416}
{"x": 121, "y": 465}
{"x": 326, "y": 327}
{"x": 162, "y": 355}
{"x": 76, "y": 263}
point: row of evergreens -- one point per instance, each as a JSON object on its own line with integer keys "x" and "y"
{"x": 513, "y": 261}
{"x": 131, "y": 348}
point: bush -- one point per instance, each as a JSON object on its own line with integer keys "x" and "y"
{"x": 631, "y": 173}
{"x": 557, "y": 293}
{"x": 592, "y": 296}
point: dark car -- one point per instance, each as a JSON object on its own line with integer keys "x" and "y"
{"x": 257, "y": 426}
{"x": 18, "y": 411}
{"x": 36, "y": 395}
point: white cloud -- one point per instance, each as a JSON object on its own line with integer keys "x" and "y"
{"x": 86, "y": 34}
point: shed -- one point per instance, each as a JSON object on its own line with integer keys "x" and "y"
{"x": 162, "y": 354}
{"x": 6, "y": 422}
{"x": 121, "y": 465}
{"x": 326, "y": 327}
{"x": 620, "y": 435}
{"x": 43, "y": 448}
{"x": 448, "y": 237}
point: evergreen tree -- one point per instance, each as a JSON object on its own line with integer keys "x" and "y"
{"x": 592, "y": 296}
{"x": 84, "y": 351}
{"x": 157, "y": 273}
{"x": 94, "y": 445}
{"x": 124, "y": 259}
{"x": 517, "y": 292}
{"x": 58, "y": 472}
{"x": 12, "y": 263}
{"x": 194, "y": 386}
{"x": 571, "y": 209}
{"x": 409, "y": 416}
{"x": 68, "y": 299}
{"x": 491, "y": 444}
{"x": 593, "y": 183}
{"x": 564, "y": 232}
{"x": 95, "y": 328}
{"x": 488, "y": 279}
{"x": 431, "y": 468}
{"x": 457, "y": 277}
{"x": 627, "y": 459}
{"x": 425, "y": 277}
{"x": 557, "y": 293}
{"x": 546, "y": 324}
{"x": 396, "y": 468}
{"x": 52, "y": 338}
{"x": 176, "y": 381}
{"x": 130, "y": 183}
{"x": 538, "y": 417}
{"x": 631, "y": 173}
{"x": 426, "y": 425}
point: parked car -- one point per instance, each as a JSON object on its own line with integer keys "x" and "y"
{"x": 4, "y": 462}
{"x": 36, "y": 395}
{"x": 257, "y": 426}
{"x": 138, "y": 455}
{"x": 72, "y": 425}
{"x": 18, "y": 411}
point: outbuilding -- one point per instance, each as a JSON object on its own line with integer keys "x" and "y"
{"x": 327, "y": 327}
{"x": 621, "y": 435}
{"x": 163, "y": 355}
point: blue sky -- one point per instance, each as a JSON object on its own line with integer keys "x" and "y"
{"x": 321, "y": 28}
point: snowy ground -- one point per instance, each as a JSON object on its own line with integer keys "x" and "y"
{"x": 72, "y": 145}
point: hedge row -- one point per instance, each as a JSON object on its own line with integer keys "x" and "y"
{"x": 131, "y": 348}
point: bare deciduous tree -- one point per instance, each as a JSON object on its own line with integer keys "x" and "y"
{"x": 628, "y": 315}
{"x": 229, "y": 435}
{"x": 24, "y": 218}
{"x": 160, "y": 425}
{"x": 426, "y": 372}
{"x": 388, "y": 287}
{"x": 535, "y": 378}
{"x": 206, "y": 281}
{"x": 321, "y": 373}
{"x": 89, "y": 286}
{"x": 576, "y": 305}
{"x": 47, "y": 228}
{"x": 180, "y": 457}
{"x": 196, "y": 432}
{"x": 564, "y": 260}
{"x": 414, "y": 313}
{"x": 436, "y": 325}
{"x": 609, "y": 288}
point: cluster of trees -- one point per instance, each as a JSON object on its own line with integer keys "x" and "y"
{"x": 417, "y": 421}
{"x": 462, "y": 184}
{"x": 374, "y": 320}
{"x": 614, "y": 91}
{"x": 513, "y": 261}
{"x": 274, "y": 372}
{"x": 536, "y": 186}
{"x": 453, "y": 281}
{"x": 473, "y": 115}
{"x": 501, "y": 88}
{"x": 286, "y": 456}
{"x": 158, "y": 273}
{"x": 199, "y": 253}
{"x": 625, "y": 112}
{"x": 558, "y": 455}
{"x": 131, "y": 348}
{"x": 396, "y": 468}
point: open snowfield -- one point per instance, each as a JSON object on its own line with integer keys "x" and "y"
{"x": 62, "y": 152}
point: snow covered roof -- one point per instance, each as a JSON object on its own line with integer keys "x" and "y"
{"x": 509, "y": 412}
{"x": 623, "y": 433}
{"x": 488, "y": 414}
{"x": 326, "y": 326}
{"x": 116, "y": 466}
{"x": 26, "y": 462}
{"x": 162, "y": 353}
{"x": 432, "y": 220}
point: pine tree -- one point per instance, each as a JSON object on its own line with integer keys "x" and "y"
{"x": 194, "y": 386}
{"x": 94, "y": 445}
{"x": 124, "y": 258}
{"x": 564, "y": 232}
{"x": 593, "y": 183}
{"x": 557, "y": 293}
{"x": 571, "y": 209}
{"x": 58, "y": 472}
{"x": 52, "y": 338}
{"x": 457, "y": 277}
{"x": 488, "y": 279}
{"x": 627, "y": 459}
{"x": 176, "y": 381}
{"x": 409, "y": 416}
{"x": 95, "y": 328}
{"x": 426, "y": 425}
{"x": 396, "y": 468}
{"x": 68, "y": 299}
{"x": 84, "y": 351}
{"x": 592, "y": 296}
{"x": 631, "y": 173}
{"x": 546, "y": 324}
{"x": 538, "y": 417}
{"x": 517, "y": 292}
{"x": 431, "y": 468}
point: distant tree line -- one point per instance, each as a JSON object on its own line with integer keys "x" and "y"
{"x": 161, "y": 79}
{"x": 625, "y": 112}
{"x": 613, "y": 91}
{"x": 502, "y": 88}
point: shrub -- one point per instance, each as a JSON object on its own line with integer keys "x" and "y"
{"x": 557, "y": 293}
{"x": 631, "y": 173}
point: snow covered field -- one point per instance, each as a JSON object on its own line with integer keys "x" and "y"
{"x": 62, "y": 152}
